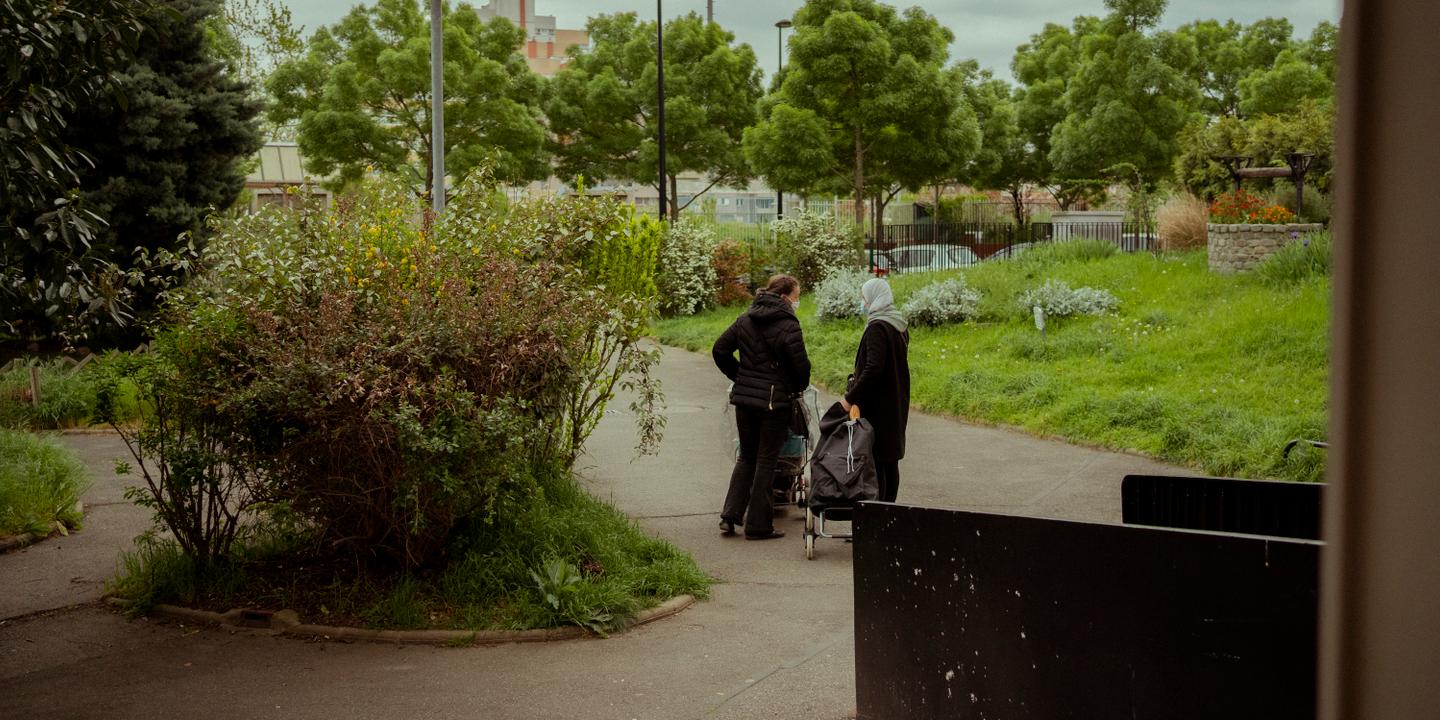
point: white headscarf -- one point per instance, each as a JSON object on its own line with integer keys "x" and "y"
{"x": 880, "y": 303}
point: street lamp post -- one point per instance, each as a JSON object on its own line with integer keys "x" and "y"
{"x": 437, "y": 108}
{"x": 779, "y": 65}
{"x": 660, "y": 85}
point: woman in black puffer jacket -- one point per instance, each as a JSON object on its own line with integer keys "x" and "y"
{"x": 772, "y": 370}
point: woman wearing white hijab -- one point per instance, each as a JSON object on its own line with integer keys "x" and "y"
{"x": 880, "y": 386}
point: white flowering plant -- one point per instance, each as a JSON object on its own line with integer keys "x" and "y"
{"x": 1058, "y": 299}
{"x": 942, "y": 303}
{"x": 685, "y": 275}
{"x": 812, "y": 247}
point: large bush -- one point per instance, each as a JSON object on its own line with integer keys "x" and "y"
{"x": 384, "y": 379}
{"x": 942, "y": 303}
{"x": 686, "y": 277}
{"x": 811, "y": 247}
{"x": 731, "y": 262}
{"x": 838, "y": 296}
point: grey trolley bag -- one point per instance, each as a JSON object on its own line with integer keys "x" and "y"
{"x": 842, "y": 473}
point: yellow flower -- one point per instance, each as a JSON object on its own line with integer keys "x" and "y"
{"x": 405, "y": 301}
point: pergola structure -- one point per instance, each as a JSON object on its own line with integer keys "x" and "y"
{"x": 1297, "y": 164}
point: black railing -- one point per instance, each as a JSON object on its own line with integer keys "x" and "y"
{"x": 948, "y": 246}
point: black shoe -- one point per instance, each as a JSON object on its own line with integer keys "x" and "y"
{"x": 766, "y": 536}
{"x": 727, "y": 528}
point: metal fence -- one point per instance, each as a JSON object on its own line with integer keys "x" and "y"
{"x": 948, "y": 246}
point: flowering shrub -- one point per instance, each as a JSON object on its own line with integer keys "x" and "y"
{"x": 1242, "y": 207}
{"x": 387, "y": 380}
{"x": 838, "y": 296}
{"x": 731, "y": 262}
{"x": 686, "y": 277}
{"x": 1058, "y": 299}
{"x": 811, "y": 247}
{"x": 941, "y": 303}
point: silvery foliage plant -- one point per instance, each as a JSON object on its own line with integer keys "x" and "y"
{"x": 951, "y": 301}
{"x": 838, "y": 296}
{"x": 1058, "y": 299}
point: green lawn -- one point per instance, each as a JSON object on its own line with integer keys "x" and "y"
{"x": 1212, "y": 372}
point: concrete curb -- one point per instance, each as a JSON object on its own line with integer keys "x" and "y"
{"x": 15, "y": 542}
{"x": 88, "y": 431}
{"x": 287, "y": 623}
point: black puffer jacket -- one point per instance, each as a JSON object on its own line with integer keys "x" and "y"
{"x": 773, "y": 365}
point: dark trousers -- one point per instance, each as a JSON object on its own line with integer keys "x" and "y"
{"x": 887, "y": 472}
{"x": 762, "y": 436}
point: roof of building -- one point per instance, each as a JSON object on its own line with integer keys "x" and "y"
{"x": 280, "y": 164}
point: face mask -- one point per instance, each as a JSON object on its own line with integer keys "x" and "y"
{"x": 796, "y": 305}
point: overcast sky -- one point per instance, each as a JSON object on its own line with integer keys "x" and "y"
{"x": 987, "y": 30}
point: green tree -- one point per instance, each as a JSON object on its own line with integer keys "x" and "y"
{"x": 602, "y": 106}
{"x": 361, "y": 96}
{"x": 1045, "y": 66}
{"x": 864, "y": 103}
{"x": 1321, "y": 48}
{"x": 175, "y": 153}
{"x": 1281, "y": 88}
{"x": 58, "y": 57}
{"x": 1224, "y": 54}
{"x": 1125, "y": 104}
{"x": 254, "y": 37}
{"x": 1006, "y": 160}
{"x": 1310, "y": 127}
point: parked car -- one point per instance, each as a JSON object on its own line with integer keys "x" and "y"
{"x": 881, "y": 264}
{"x": 928, "y": 258}
{"x": 1012, "y": 251}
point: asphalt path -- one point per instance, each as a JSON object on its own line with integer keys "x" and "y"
{"x": 775, "y": 640}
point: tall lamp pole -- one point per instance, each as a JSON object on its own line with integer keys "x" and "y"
{"x": 437, "y": 107}
{"x": 660, "y": 85}
{"x": 780, "y": 65}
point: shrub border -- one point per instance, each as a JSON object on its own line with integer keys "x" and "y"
{"x": 287, "y": 623}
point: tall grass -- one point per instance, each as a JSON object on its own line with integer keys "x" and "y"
{"x": 1181, "y": 223}
{"x": 40, "y": 482}
{"x": 1298, "y": 262}
{"x": 1208, "y": 371}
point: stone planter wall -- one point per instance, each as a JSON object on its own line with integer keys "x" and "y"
{"x": 1235, "y": 248}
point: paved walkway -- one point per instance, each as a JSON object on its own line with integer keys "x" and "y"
{"x": 775, "y": 640}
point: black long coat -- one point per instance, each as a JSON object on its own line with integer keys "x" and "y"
{"x": 773, "y": 364}
{"x": 882, "y": 387}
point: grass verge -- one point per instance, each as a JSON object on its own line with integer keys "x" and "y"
{"x": 1208, "y": 371}
{"x": 566, "y": 559}
{"x": 40, "y": 482}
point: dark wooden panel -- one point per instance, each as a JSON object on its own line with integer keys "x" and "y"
{"x": 970, "y": 615}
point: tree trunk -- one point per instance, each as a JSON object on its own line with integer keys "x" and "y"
{"x": 880, "y": 217}
{"x": 1017, "y": 195}
{"x": 674, "y": 199}
{"x": 859, "y": 182}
